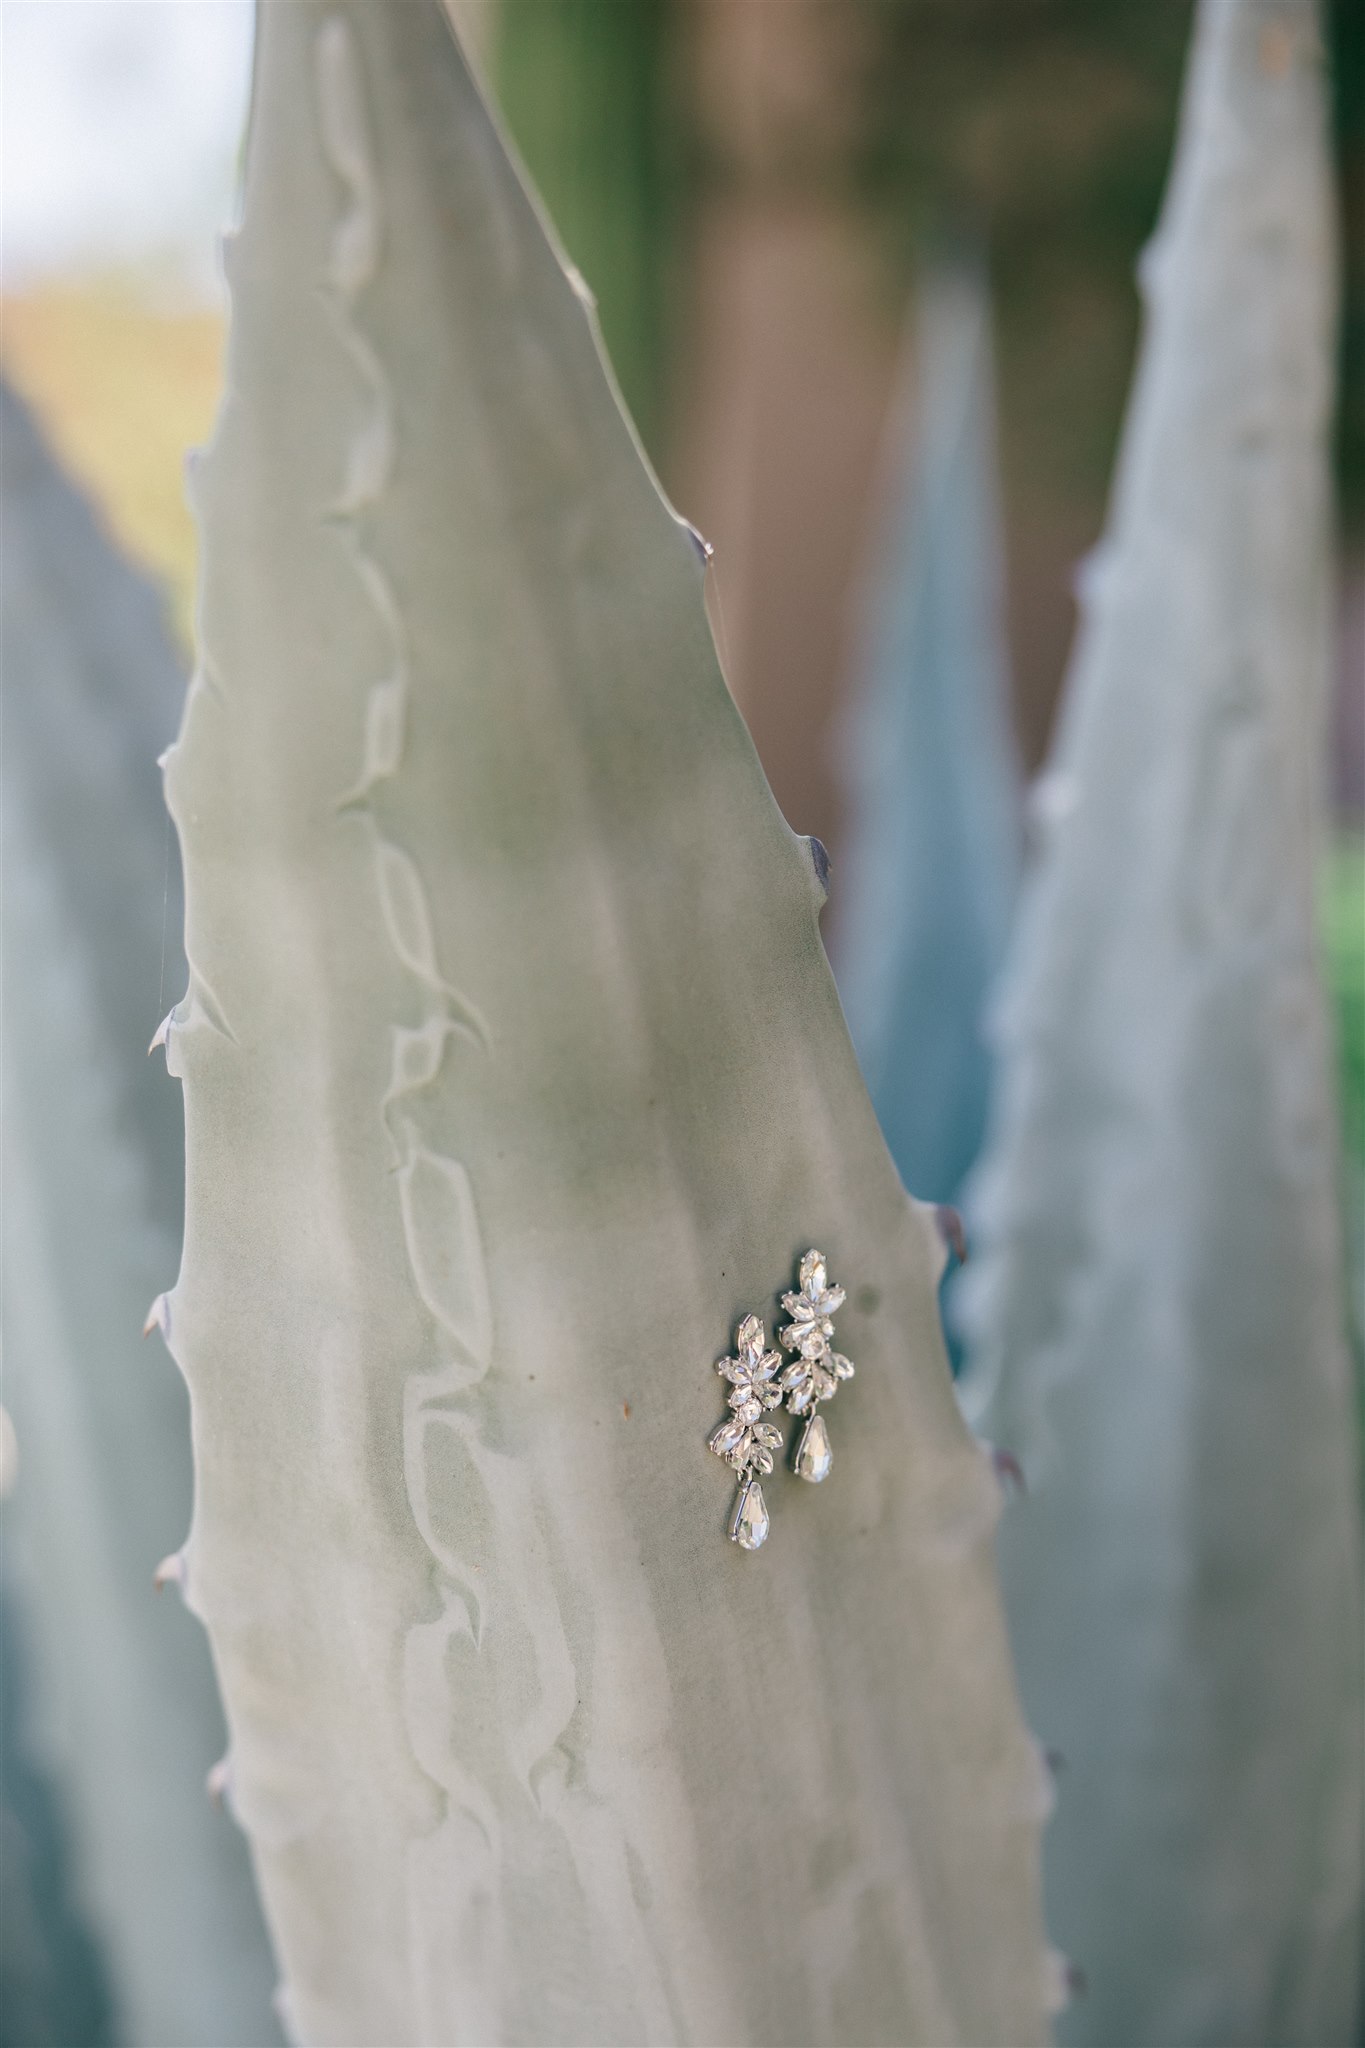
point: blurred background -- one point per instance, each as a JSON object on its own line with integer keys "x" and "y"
{"x": 799, "y": 217}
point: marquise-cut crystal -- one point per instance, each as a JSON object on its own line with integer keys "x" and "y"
{"x": 749, "y": 1529}
{"x": 813, "y": 1454}
{"x": 728, "y": 1437}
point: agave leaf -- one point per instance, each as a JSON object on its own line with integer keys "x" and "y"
{"x": 514, "y": 1077}
{"x": 1157, "y": 1288}
{"x": 929, "y": 874}
{"x": 119, "y": 1709}
{"x": 53, "y": 1984}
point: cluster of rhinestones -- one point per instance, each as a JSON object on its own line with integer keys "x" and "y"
{"x": 745, "y": 1440}
{"x": 815, "y": 1372}
{"x": 760, "y": 1383}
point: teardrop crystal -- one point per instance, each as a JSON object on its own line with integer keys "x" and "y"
{"x": 749, "y": 1528}
{"x": 813, "y": 1454}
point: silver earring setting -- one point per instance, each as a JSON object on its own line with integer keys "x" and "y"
{"x": 760, "y": 1383}
{"x": 745, "y": 1440}
{"x": 814, "y": 1375}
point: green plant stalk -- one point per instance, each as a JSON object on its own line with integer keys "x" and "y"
{"x": 514, "y": 1075}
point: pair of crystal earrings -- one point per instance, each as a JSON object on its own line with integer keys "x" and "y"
{"x": 760, "y": 1382}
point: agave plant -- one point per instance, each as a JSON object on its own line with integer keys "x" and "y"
{"x": 1156, "y": 1296}
{"x": 514, "y": 1079}
{"x": 53, "y": 1986}
{"x": 111, "y": 1696}
{"x": 929, "y": 875}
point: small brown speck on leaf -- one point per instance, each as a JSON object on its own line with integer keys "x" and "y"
{"x": 625, "y": 1410}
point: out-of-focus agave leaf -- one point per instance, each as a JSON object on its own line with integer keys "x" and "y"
{"x": 53, "y": 1987}
{"x": 121, "y": 1713}
{"x": 514, "y": 1075}
{"x": 932, "y": 862}
{"x": 1157, "y": 1287}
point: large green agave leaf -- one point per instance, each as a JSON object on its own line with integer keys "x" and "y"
{"x": 1158, "y": 1294}
{"x": 514, "y": 1076}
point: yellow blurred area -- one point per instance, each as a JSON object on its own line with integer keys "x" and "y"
{"x": 123, "y": 389}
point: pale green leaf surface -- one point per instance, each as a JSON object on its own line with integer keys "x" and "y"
{"x": 1156, "y": 1293}
{"x": 514, "y": 1077}
{"x": 119, "y": 1708}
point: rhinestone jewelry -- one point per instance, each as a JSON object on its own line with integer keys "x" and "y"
{"x": 813, "y": 1375}
{"x": 745, "y": 1439}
